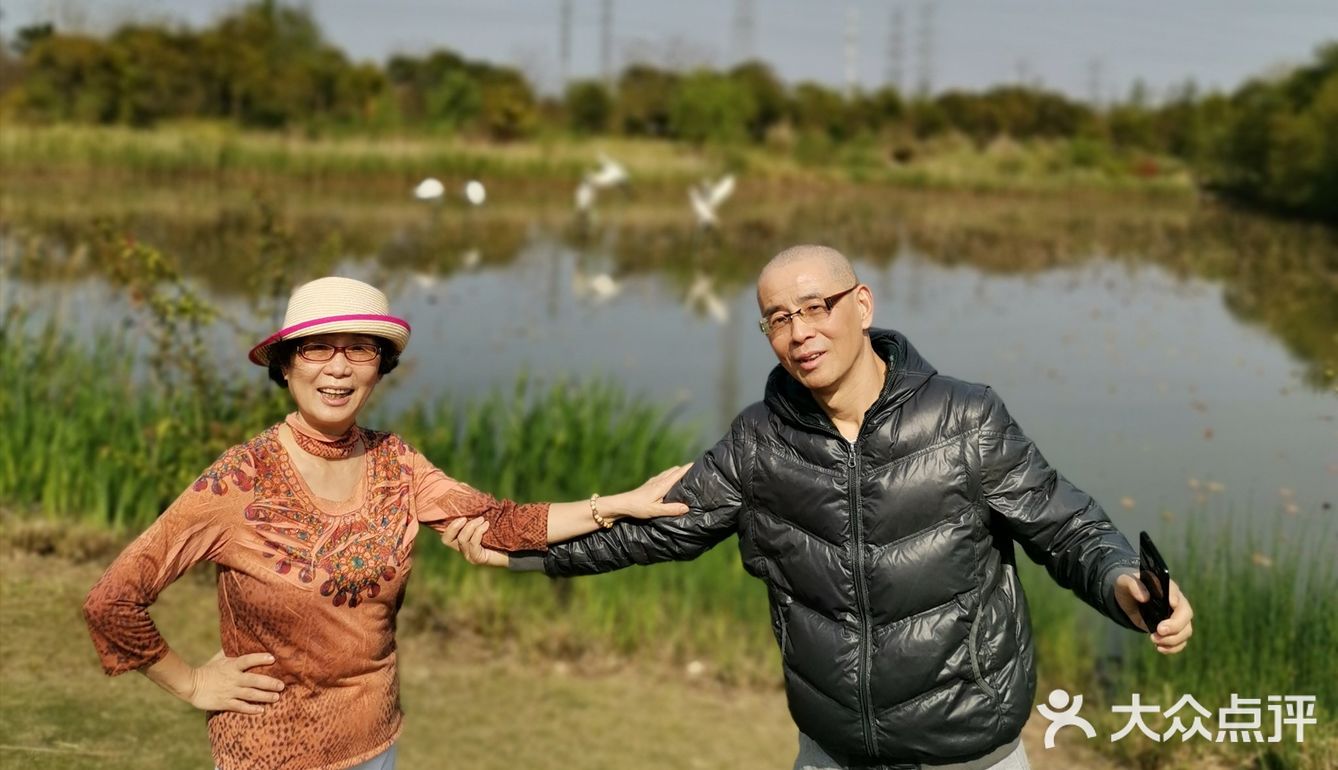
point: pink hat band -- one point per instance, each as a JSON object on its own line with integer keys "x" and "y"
{"x": 331, "y": 306}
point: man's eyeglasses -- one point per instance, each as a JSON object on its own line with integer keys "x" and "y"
{"x": 815, "y": 311}
{"x": 357, "y": 353}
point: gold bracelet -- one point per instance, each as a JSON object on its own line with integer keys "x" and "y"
{"x": 594, "y": 511}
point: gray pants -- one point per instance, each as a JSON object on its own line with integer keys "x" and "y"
{"x": 1009, "y": 757}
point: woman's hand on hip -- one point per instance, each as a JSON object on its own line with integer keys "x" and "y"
{"x": 223, "y": 684}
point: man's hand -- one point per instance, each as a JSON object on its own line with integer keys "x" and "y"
{"x": 1174, "y": 632}
{"x": 466, "y": 536}
{"x": 647, "y": 500}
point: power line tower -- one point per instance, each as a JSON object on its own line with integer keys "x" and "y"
{"x": 1095, "y": 82}
{"x": 925, "y": 82}
{"x": 564, "y": 44}
{"x": 744, "y": 27}
{"x": 852, "y": 50}
{"x": 896, "y": 51}
{"x": 1022, "y": 71}
{"x": 606, "y": 43}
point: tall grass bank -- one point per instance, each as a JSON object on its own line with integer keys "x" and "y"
{"x": 92, "y": 441}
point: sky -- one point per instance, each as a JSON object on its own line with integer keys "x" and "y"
{"x": 1081, "y": 47}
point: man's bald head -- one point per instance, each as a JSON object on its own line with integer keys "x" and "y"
{"x": 833, "y": 261}
{"x": 816, "y": 316}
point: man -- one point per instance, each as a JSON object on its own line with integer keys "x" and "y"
{"x": 879, "y": 502}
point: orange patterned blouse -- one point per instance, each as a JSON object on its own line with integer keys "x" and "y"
{"x": 314, "y": 582}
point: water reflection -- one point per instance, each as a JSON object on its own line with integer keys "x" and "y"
{"x": 1280, "y": 276}
{"x": 1164, "y": 357}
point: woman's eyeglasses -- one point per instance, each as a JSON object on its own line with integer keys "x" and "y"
{"x": 357, "y": 353}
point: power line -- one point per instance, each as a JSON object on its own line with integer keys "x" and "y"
{"x": 925, "y": 82}
{"x": 1095, "y": 82}
{"x": 852, "y": 50}
{"x": 606, "y": 43}
{"x": 564, "y": 43}
{"x": 1022, "y": 71}
{"x": 744, "y": 31}
{"x": 896, "y": 50}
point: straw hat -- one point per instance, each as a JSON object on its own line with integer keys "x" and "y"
{"x": 333, "y": 305}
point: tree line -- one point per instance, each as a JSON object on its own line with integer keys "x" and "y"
{"x": 268, "y": 65}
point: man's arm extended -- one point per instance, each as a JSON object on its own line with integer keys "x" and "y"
{"x": 712, "y": 491}
{"x": 1058, "y": 525}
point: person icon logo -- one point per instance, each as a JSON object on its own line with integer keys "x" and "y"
{"x": 1062, "y": 711}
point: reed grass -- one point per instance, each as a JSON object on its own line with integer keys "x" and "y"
{"x": 85, "y": 438}
{"x": 1266, "y": 623}
{"x": 1265, "y": 599}
{"x": 221, "y": 151}
{"x": 217, "y": 151}
{"x": 85, "y": 435}
{"x": 86, "y": 432}
{"x": 88, "y": 439}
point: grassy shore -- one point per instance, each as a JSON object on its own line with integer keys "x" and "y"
{"x": 505, "y": 707}
{"x": 223, "y": 152}
{"x": 86, "y": 447}
{"x": 469, "y": 701}
{"x": 118, "y": 450}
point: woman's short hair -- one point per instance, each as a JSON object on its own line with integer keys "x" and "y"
{"x": 282, "y": 355}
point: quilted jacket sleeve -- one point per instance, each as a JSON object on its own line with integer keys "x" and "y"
{"x": 1057, "y": 524}
{"x": 712, "y": 491}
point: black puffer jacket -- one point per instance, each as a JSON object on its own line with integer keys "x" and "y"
{"x": 903, "y": 629}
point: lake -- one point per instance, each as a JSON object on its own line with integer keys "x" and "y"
{"x": 1171, "y": 357}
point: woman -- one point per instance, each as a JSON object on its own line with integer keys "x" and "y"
{"x": 311, "y": 524}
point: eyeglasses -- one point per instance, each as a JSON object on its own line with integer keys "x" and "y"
{"x": 815, "y": 311}
{"x": 357, "y": 353}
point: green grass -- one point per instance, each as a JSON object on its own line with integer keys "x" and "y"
{"x": 216, "y": 150}
{"x": 83, "y": 440}
{"x": 114, "y": 451}
{"x": 84, "y": 435}
{"x": 502, "y": 709}
{"x": 1266, "y": 623}
{"x": 1266, "y": 606}
{"x": 118, "y": 448}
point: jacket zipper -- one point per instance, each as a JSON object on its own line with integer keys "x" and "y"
{"x": 862, "y": 602}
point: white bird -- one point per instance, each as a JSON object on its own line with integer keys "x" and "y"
{"x": 717, "y": 309}
{"x": 610, "y": 173}
{"x": 702, "y": 293}
{"x": 429, "y": 189}
{"x": 423, "y": 280}
{"x": 706, "y": 198}
{"x": 585, "y": 197}
{"x": 474, "y": 192}
{"x": 471, "y": 258}
{"x": 603, "y": 286}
